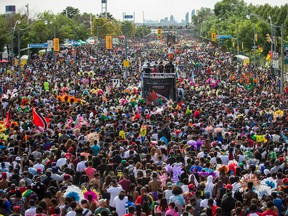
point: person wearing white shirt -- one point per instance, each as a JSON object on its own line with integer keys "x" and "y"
{"x": 81, "y": 165}
{"x": 119, "y": 203}
{"x": 32, "y": 210}
{"x": 56, "y": 176}
{"x": 38, "y": 165}
{"x": 204, "y": 202}
{"x": 114, "y": 190}
{"x": 61, "y": 161}
{"x": 130, "y": 152}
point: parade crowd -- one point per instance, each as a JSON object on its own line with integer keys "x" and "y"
{"x": 74, "y": 143}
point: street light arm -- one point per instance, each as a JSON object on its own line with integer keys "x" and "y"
{"x": 17, "y": 22}
{"x": 263, "y": 20}
{"x": 29, "y": 25}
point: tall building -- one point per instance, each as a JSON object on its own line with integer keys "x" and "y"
{"x": 187, "y": 18}
{"x": 193, "y": 13}
{"x": 171, "y": 18}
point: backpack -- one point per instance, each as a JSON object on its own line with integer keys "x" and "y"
{"x": 146, "y": 203}
{"x": 130, "y": 170}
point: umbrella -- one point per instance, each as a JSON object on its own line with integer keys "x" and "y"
{"x": 3, "y": 61}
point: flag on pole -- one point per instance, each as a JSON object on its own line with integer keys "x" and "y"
{"x": 39, "y": 120}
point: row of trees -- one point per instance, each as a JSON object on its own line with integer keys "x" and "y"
{"x": 229, "y": 17}
{"x": 69, "y": 24}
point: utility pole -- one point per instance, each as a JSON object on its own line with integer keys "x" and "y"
{"x": 27, "y": 13}
{"x": 55, "y": 55}
{"x": 126, "y": 55}
{"x": 282, "y": 59}
{"x": 254, "y": 47}
{"x": 19, "y": 47}
{"x": 91, "y": 32}
{"x": 237, "y": 40}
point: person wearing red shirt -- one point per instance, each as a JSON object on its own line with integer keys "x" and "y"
{"x": 90, "y": 171}
{"x": 125, "y": 182}
{"x": 270, "y": 210}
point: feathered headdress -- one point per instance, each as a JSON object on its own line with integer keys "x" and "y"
{"x": 168, "y": 168}
{"x": 223, "y": 168}
{"x": 262, "y": 190}
{"x": 74, "y": 192}
{"x": 91, "y": 192}
{"x": 232, "y": 164}
{"x": 270, "y": 182}
{"x": 248, "y": 178}
{"x": 177, "y": 171}
{"x": 206, "y": 174}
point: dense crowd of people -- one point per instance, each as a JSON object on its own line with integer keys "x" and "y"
{"x": 101, "y": 149}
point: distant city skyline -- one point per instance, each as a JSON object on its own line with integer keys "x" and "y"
{"x": 144, "y": 10}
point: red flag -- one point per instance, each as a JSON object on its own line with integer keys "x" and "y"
{"x": 8, "y": 118}
{"x": 39, "y": 120}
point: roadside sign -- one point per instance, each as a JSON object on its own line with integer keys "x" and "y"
{"x": 225, "y": 36}
{"x": 116, "y": 83}
{"x": 42, "y": 45}
{"x": 128, "y": 16}
{"x": 56, "y": 45}
{"x": 50, "y": 44}
{"x": 108, "y": 42}
{"x": 126, "y": 63}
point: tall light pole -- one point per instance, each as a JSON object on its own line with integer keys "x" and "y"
{"x": 27, "y": 6}
{"x": 254, "y": 45}
{"x": 19, "y": 45}
{"x": 271, "y": 46}
{"x": 54, "y": 28}
{"x": 12, "y": 44}
{"x": 282, "y": 46}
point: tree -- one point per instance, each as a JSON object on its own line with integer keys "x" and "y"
{"x": 103, "y": 15}
{"x": 71, "y": 12}
{"x": 141, "y": 31}
{"x": 6, "y": 31}
{"x": 127, "y": 28}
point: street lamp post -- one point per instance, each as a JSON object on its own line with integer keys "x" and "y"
{"x": 19, "y": 46}
{"x": 254, "y": 45}
{"x": 55, "y": 55}
{"x": 282, "y": 45}
{"x": 12, "y": 44}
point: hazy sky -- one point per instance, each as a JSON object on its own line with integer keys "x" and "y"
{"x": 152, "y": 9}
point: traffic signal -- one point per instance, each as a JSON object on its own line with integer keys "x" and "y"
{"x": 268, "y": 38}
{"x": 159, "y": 33}
{"x": 213, "y": 37}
